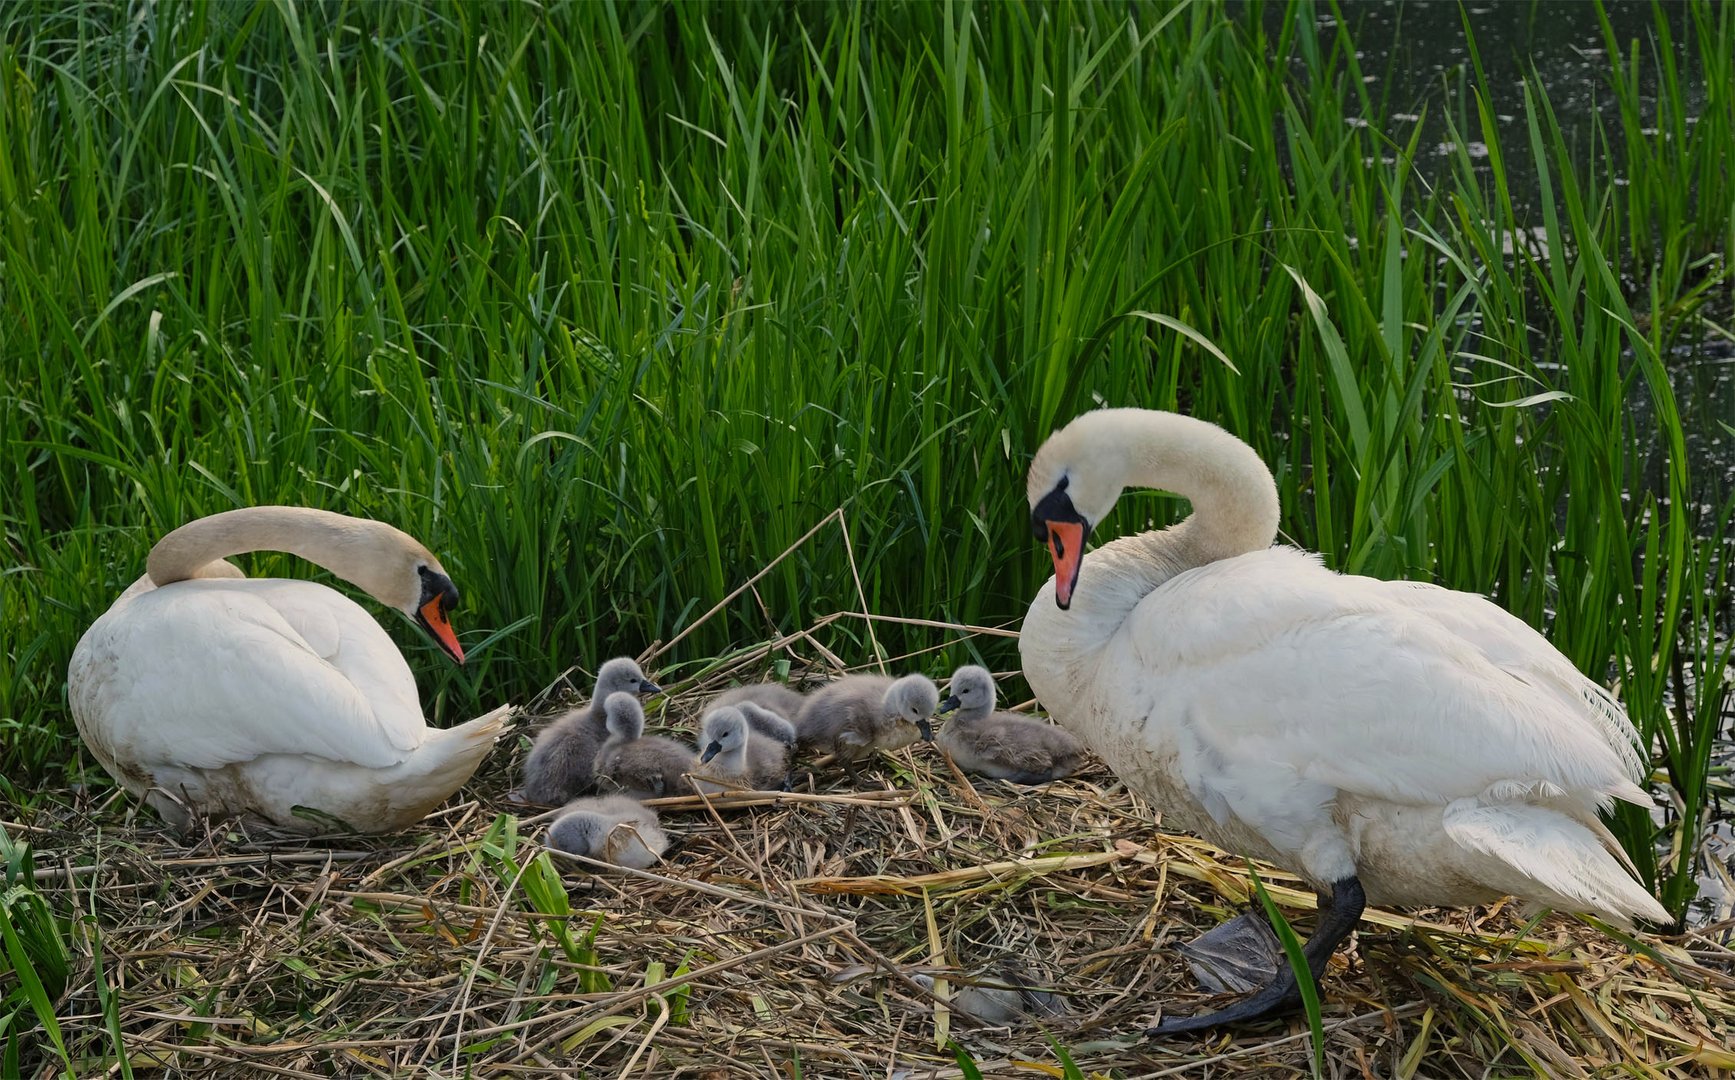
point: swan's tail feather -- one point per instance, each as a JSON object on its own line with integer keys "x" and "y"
{"x": 1564, "y": 863}
{"x": 1629, "y": 792}
{"x": 437, "y": 768}
{"x": 448, "y": 756}
{"x": 1609, "y": 842}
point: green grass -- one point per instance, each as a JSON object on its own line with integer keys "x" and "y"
{"x": 609, "y": 303}
{"x": 35, "y": 964}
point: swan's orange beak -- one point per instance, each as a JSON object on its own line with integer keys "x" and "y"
{"x": 1066, "y": 544}
{"x": 434, "y": 619}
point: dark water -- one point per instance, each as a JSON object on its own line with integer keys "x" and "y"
{"x": 1417, "y": 62}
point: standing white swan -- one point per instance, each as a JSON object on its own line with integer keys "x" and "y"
{"x": 207, "y": 693}
{"x": 1420, "y": 744}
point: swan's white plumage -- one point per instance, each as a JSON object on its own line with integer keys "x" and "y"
{"x": 335, "y": 687}
{"x": 1421, "y": 739}
{"x": 226, "y": 695}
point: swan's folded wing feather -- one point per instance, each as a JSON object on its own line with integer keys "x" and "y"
{"x": 1567, "y": 857}
{"x": 344, "y": 635}
{"x": 1280, "y": 671}
{"x": 205, "y": 674}
{"x": 1519, "y": 649}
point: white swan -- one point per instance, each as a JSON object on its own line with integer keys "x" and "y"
{"x": 207, "y": 693}
{"x": 1421, "y": 744}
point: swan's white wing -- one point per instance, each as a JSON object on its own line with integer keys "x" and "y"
{"x": 343, "y": 634}
{"x": 1517, "y": 647}
{"x": 1271, "y": 674}
{"x": 207, "y": 673}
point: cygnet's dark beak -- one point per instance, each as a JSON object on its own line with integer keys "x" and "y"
{"x": 925, "y": 729}
{"x": 646, "y": 686}
{"x": 949, "y": 704}
{"x": 711, "y": 751}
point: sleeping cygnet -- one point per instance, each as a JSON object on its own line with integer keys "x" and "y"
{"x": 611, "y": 828}
{"x": 1003, "y": 998}
{"x": 1000, "y": 744}
{"x": 633, "y": 763}
{"x": 858, "y": 714}
{"x": 778, "y": 698}
{"x": 562, "y": 759}
{"x": 735, "y": 756}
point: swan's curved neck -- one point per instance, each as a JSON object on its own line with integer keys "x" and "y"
{"x": 1235, "y": 512}
{"x": 344, "y": 545}
{"x": 1234, "y": 497}
{"x": 624, "y": 730}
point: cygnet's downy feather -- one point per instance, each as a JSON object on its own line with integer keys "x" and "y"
{"x": 1000, "y": 744}
{"x": 777, "y": 697}
{"x": 562, "y": 759}
{"x": 766, "y": 724}
{"x": 859, "y": 714}
{"x": 633, "y": 763}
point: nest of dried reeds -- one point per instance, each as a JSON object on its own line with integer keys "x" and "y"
{"x": 814, "y": 933}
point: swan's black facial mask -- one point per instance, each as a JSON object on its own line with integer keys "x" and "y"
{"x": 1054, "y": 519}
{"x": 439, "y": 596}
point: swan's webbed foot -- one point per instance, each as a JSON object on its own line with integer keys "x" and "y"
{"x": 1238, "y": 957}
{"x": 1279, "y": 996}
{"x": 1338, "y": 915}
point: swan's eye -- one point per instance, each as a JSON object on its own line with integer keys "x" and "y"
{"x": 437, "y": 585}
{"x": 1055, "y": 508}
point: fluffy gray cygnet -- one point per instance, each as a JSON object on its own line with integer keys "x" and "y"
{"x": 859, "y": 714}
{"x": 1000, "y": 744}
{"x": 562, "y": 758}
{"x": 611, "y": 828}
{"x": 736, "y": 756}
{"x": 1003, "y": 998}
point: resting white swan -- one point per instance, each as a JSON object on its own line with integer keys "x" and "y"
{"x": 211, "y": 694}
{"x": 1420, "y": 744}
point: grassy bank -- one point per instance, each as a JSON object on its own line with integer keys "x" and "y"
{"x": 609, "y": 304}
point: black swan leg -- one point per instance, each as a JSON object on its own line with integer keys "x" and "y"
{"x": 1338, "y": 915}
